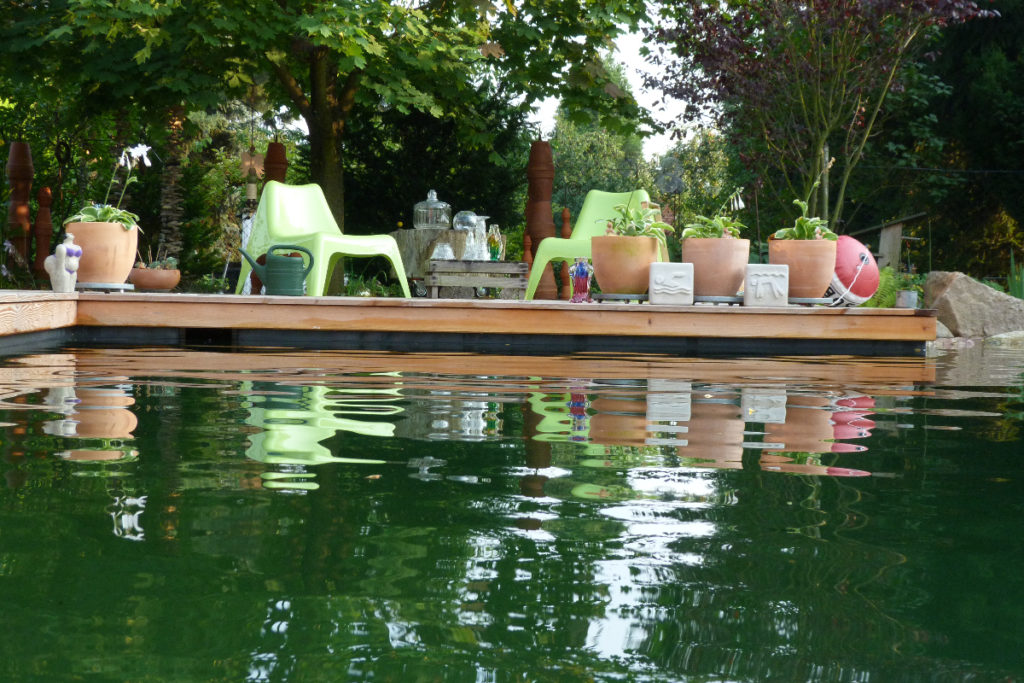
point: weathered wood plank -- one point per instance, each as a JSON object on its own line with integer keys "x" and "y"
{"x": 474, "y": 280}
{"x": 506, "y": 275}
{"x": 497, "y": 267}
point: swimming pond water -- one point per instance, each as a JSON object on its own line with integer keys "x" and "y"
{"x": 173, "y": 514}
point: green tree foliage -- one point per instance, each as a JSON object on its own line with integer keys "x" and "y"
{"x": 694, "y": 177}
{"x": 393, "y": 159}
{"x": 951, "y": 150}
{"x": 978, "y": 226}
{"x": 591, "y": 155}
{"x": 327, "y": 61}
{"x": 795, "y": 83}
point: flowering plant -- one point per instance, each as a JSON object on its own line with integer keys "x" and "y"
{"x": 642, "y": 221}
{"x": 719, "y": 225}
{"x": 94, "y": 212}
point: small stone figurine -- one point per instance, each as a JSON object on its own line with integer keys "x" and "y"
{"x": 580, "y": 273}
{"x": 62, "y": 265}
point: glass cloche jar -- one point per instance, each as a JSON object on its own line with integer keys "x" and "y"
{"x": 432, "y": 213}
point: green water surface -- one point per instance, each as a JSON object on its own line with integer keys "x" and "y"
{"x": 305, "y": 524}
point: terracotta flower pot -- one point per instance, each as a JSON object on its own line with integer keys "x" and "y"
{"x": 715, "y": 435}
{"x": 811, "y": 265}
{"x": 618, "y": 422}
{"x": 103, "y": 413}
{"x": 154, "y": 279}
{"x": 108, "y": 251}
{"x": 622, "y": 265}
{"x": 719, "y": 264}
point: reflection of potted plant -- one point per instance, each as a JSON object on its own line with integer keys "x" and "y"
{"x": 107, "y": 233}
{"x": 718, "y": 255}
{"x": 808, "y": 248}
{"x": 623, "y": 256}
{"x": 159, "y": 274}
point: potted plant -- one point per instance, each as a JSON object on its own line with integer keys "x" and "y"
{"x": 713, "y": 245}
{"x": 160, "y": 274}
{"x": 107, "y": 233}
{"x": 632, "y": 241}
{"x": 909, "y": 290}
{"x": 808, "y": 248}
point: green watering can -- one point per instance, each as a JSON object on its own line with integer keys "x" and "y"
{"x": 283, "y": 275}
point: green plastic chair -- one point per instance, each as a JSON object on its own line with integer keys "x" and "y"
{"x": 299, "y": 214}
{"x": 598, "y": 208}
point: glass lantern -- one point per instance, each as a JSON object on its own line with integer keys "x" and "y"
{"x": 432, "y": 213}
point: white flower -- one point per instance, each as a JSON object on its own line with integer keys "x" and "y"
{"x": 139, "y": 152}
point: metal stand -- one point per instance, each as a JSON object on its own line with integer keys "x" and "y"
{"x": 718, "y": 300}
{"x": 619, "y": 298}
{"x": 105, "y": 286}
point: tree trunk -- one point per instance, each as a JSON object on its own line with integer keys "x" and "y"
{"x": 325, "y": 108}
{"x": 325, "y": 165}
{"x": 171, "y": 203}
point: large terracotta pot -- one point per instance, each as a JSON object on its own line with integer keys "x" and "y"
{"x": 719, "y": 264}
{"x": 811, "y": 265}
{"x": 155, "y": 279}
{"x": 622, "y": 265}
{"x": 108, "y": 251}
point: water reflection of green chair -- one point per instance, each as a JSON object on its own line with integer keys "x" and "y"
{"x": 294, "y": 421}
{"x": 563, "y": 418}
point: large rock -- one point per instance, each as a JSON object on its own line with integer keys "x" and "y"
{"x": 1011, "y": 340}
{"x": 971, "y": 309}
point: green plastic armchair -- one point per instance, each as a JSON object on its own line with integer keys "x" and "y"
{"x": 598, "y": 208}
{"x": 299, "y": 214}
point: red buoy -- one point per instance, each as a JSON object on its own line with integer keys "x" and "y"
{"x": 856, "y": 276}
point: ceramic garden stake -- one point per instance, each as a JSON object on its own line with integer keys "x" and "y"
{"x": 580, "y": 273}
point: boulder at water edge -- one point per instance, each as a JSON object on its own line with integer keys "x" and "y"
{"x": 969, "y": 308}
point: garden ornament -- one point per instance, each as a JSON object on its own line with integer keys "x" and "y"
{"x": 62, "y": 265}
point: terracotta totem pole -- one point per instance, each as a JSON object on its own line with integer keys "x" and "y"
{"x": 43, "y": 230}
{"x": 19, "y": 175}
{"x": 540, "y": 176}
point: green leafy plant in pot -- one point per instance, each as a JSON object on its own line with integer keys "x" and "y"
{"x": 808, "y": 247}
{"x": 633, "y": 239}
{"x": 714, "y": 247}
{"x": 107, "y": 233}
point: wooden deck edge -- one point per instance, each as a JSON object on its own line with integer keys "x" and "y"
{"x": 455, "y": 316}
{"x": 485, "y": 326}
{"x": 28, "y": 312}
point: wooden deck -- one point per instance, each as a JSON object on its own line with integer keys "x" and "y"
{"x": 453, "y": 325}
